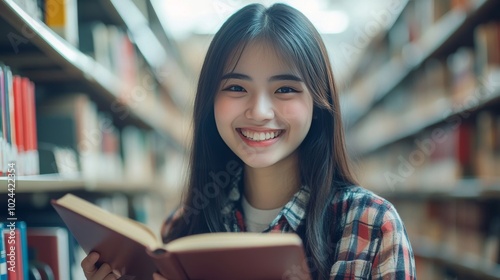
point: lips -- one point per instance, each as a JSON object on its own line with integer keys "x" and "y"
{"x": 259, "y": 136}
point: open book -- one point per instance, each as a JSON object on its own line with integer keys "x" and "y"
{"x": 134, "y": 250}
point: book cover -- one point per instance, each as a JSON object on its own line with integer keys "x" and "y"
{"x": 134, "y": 250}
{"x": 49, "y": 245}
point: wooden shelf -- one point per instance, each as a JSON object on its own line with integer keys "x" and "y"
{"x": 405, "y": 130}
{"x": 464, "y": 189}
{"x": 389, "y": 76}
{"x": 42, "y": 183}
{"x": 467, "y": 265}
{"x": 59, "y": 183}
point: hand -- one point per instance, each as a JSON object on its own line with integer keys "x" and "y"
{"x": 92, "y": 272}
{"x": 157, "y": 276}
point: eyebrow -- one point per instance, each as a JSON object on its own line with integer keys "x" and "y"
{"x": 282, "y": 77}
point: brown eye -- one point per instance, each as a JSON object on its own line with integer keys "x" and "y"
{"x": 234, "y": 88}
{"x": 285, "y": 90}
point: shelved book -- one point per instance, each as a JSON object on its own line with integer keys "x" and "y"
{"x": 18, "y": 137}
{"x": 135, "y": 251}
{"x": 49, "y": 251}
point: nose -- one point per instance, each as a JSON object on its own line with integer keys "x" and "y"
{"x": 260, "y": 108}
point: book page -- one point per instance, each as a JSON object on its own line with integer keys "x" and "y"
{"x": 223, "y": 240}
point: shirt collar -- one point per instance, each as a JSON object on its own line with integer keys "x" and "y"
{"x": 294, "y": 210}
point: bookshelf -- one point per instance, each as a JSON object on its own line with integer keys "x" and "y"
{"x": 120, "y": 121}
{"x": 439, "y": 37}
{"x": 440, "y": 78}
{"x": 65, "y": 183}
{"x": 468, "y": 266}
{"x": 433, "y": 120}
{"x": 76, "y": 66}
{"x": 465, "y": 189}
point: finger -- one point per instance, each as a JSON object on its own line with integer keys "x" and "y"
{"x": 103, "y": 272}
{"x": 110, "y": 277}
{"x": 88, "y": 264}
{"x": 117, "y": 273}
{"x": 157, "y": 276}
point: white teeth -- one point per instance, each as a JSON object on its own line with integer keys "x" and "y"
{"x": 260, "y": 136}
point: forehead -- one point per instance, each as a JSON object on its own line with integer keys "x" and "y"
{"x": 261, "y": 56}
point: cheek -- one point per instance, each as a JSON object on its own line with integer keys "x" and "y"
{"x": 299, "y": 113}
{"x": 224, "y": 111}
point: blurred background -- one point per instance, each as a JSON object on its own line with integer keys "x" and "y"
{"x": 96, "y": 99}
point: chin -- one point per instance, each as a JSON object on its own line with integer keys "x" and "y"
{"x": 261, "y": 161}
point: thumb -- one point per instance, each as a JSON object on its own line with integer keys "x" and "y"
{"x": 157, "y": 276}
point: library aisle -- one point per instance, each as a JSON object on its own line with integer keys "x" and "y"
{"x": 96, "y": 100}
{"x": 423, "y": 123}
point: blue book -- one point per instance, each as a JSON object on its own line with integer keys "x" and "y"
{"x": 3, "y": 252}
{"x": 21, "y": 225}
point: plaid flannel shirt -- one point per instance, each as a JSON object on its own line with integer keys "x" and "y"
{"x": 374, "y": 243}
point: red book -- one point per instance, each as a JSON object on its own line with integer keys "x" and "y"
{"x": 464, "y": 148}
{"x": 29, "y": 125}
{"x": 49, "y": 245}
{"x": 19, "y": 111}
{"x": 26, "y": 88}
{"x": 131, "y": 248}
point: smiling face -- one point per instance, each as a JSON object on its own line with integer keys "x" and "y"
{"x": 263, "y": 109}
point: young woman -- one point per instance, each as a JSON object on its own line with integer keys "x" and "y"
{"x": 269, "y": 153}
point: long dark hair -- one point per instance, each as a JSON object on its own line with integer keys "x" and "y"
{"x": 323, "y": 162}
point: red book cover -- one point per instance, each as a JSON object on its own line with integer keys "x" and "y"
{"x": 49, "y": 245}
{"x": 19, "y": 89}
{"x": 26, "y": 87}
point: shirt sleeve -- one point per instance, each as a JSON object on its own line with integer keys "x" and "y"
{"x": 394, "y": 258}
{"x": 374, "y": 243}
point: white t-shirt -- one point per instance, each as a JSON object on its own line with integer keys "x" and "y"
{"x": 257, "y": 220}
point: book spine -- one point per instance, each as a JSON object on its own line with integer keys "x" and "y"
{"x": 6, "y": 115}
{"x": 3, "y": 260}
{"x": 23, "y": 231}
{"x": 168, "y": 265}
{"x": 12, "y": 116}
{"x": 19, "y": 113}
{"x": 62, "y": 17}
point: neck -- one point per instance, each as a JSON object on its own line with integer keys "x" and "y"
{"x": 273, "y": 186}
